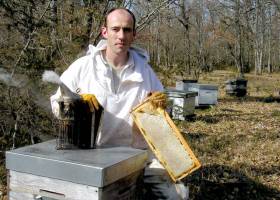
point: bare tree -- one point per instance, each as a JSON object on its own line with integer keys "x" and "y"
{"x": 184, "y": 19}
{"x": 259, "y": 37}
{"x": 269, "y": 38}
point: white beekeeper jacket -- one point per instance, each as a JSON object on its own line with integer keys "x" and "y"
{"x": 90, "y": 75}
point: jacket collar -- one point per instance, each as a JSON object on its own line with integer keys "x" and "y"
{"x": 102, "y": 44}
{"x": 133, "y": 73}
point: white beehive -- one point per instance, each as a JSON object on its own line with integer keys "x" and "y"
{"x": 41, "y": 172}
{"x": 181, "y": 103}
{"x": 207, "y": 93}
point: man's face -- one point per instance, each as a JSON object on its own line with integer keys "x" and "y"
{"x": 119, "y": 31}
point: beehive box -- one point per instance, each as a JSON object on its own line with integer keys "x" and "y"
{"x": 165, "y": 140}
{"x": 41, "y": 172}
{"x": 236, "y": 87}
{"x": 207, "y": 93}
{"x": 181, "y": 103}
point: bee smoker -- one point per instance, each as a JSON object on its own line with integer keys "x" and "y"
{"x": 78, "y": 127}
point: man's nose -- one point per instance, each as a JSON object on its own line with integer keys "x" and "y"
{"x": 121, "y": 34}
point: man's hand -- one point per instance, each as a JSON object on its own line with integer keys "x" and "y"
{"x": 91, "y": 100}
{"x": 158, "y": 99}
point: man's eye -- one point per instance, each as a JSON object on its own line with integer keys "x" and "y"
{"x": 128, "y": 30}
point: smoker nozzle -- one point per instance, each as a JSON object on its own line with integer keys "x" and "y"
{"x": 67, "y": 93}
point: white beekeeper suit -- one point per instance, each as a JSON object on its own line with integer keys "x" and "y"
{"x": 91, "y": 74}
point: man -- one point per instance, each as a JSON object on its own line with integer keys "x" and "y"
{"x": 120, "y": 78}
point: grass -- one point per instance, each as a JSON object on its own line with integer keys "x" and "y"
{"x": 237, "y": 142}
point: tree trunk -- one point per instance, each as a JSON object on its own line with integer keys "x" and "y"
{"x": 89, "y": 20}
{"x": 238, "y": 44}
{"x": 72, "y": 8}
{"x": 185, "y": 21}
{"x": 269, "y": 69}
{"x": 157, "y": 42}
{"x": 54, "y": 22}
{"x": 258, "y": 39}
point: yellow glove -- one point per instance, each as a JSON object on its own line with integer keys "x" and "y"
{"x": 158, "y": 99}
{"x": 91, "y": 100}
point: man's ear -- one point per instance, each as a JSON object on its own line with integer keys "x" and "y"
{"x": 104, "y": 32}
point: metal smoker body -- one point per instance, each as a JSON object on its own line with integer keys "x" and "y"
{"x": 78, "y": 127}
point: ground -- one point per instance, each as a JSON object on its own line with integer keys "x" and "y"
{"x": 237, "y": 141}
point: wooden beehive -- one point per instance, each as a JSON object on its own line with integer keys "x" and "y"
{"x": 165, "y": 140}
{"x": 40, "y": 171}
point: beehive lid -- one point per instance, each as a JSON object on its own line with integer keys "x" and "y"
{"x": 95, "y": 167}
{"x": 165, "y": 140}
{"x": 207, "y": 86}
{"x": 171, "y": 92}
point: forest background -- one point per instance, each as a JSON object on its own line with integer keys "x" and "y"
{"x": 185, "y": 39}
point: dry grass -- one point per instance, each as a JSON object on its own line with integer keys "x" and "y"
{"x": 237, "y": 142}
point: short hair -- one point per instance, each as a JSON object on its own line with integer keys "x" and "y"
{"x": 127, "y": 10}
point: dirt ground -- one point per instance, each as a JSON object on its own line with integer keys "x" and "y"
{"x": 237, "y": 141}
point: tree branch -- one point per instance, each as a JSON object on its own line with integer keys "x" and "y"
{"x": 28, "y": 41}
{"x": 144, "y": 20}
